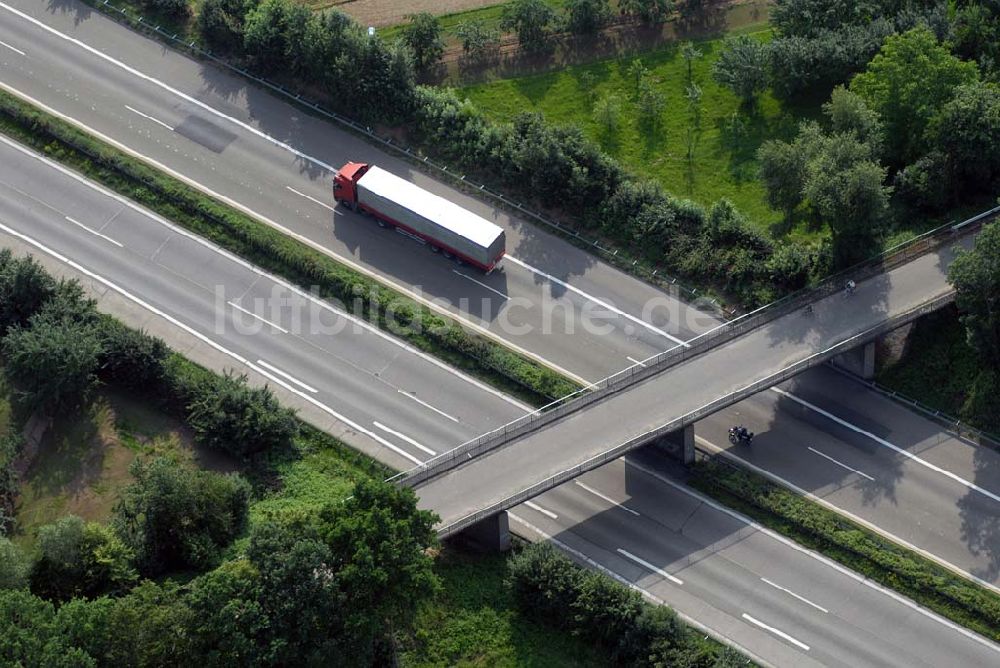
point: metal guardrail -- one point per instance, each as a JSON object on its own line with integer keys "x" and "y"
{"x": 693, "y": 416}
{"x": 881, "y": 263}
{"x": 614, "y": 256}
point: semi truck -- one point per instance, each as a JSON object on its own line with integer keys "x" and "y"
{"x": 431, "y": 219}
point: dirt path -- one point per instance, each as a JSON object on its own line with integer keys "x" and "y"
{"x": 392, "y": 12}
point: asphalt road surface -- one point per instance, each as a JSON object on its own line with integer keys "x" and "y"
{"x": 755, "y": 357}
{"x": 779, "y": 602}
{"x": 231, "y": 145}
{"x": 272, "y": 160}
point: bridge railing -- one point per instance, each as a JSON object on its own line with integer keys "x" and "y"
{"x": 695, "y": 415}
{"x": 881, "y": 263}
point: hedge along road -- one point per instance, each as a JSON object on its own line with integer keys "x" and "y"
{"x": 275, "y": 162}
{"x": 725, "y": 576}
{"x": 402, "y": 405}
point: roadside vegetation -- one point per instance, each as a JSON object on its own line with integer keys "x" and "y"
{"x": 873, "y": 169}
{"x": 856, "y": 547}
{"x": 234, "y": 534}
{"x": 275, "y": 252}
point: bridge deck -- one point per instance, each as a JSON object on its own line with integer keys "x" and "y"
{"x": 496, "y": 479}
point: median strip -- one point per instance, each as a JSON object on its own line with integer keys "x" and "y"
{"x": 256, "y": 242}
{"x": 860, "y": 549}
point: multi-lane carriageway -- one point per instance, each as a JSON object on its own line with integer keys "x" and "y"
{"x": 210, "y": 128}
{"x": 633, "y": 518}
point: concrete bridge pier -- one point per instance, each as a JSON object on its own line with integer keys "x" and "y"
{"x": 860, "y": 361}
{"x": 489, "y": 535}
{"x": 678, "y": 445}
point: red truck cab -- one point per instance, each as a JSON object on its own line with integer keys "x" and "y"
{"x": 344, "y": 188}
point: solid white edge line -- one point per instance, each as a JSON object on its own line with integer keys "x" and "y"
{"x": 312, "y": 199}
{"x": 592, "y": 298}
{"x": 429, "y": 303}
{"x": 201, "y": 337}
{"x": 480, "y": 283}
{"x": 287, "y": 376}
{"x": 840, "y": 464}
{"x": 642, "y": 562}
{"x": 423, "y": 403}
{"x": 243, "y": 263}
{"x": 794, "y": 595}
{"x": 2, "y": 43}
{"x": 930, "y": 556}
{"x": 543, "y": 511}
{"x": 649, "y": 596}
{"x": 254, "y": 315}
{"x": 881, "y": 441}
{"x": 634, "y": 360}
{"x": 403, "y": 437}
{"x": 899, "y": 598}
{"x": 94, "y": 232}
{"x": 606, "y": 498}
{"x": 156, "y": 82}
{"x": 777, "y": 632}
{"x": 149, "y": 118}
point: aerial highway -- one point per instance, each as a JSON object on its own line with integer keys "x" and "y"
{"x": 632, "y": 518}
{"x": 579, "y": 434}
{"x": 277, "y": 162}
{"x": 66, "y": 81}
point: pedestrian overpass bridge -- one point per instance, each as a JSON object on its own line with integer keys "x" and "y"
{"x": 664, "y": 395}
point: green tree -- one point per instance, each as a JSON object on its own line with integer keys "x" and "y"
{"x": 52, "y": 363}
{"x": 783, "y": 171}
{"x": 976, "y": 33}
{"x": 532, "y": 20}
{"x": 905, "y": 84}
{"x": 423, "y": 35}
{"x": 585, "y": 17}
{"x": 637, "y": 72}
{"x": 844, "y": 186}
{"x": 690, "y": 54}
{"x": 650, "y": 103}
{"x": 173, "y": 8}
{"x": 78, "y": 559}
{"x": 647, "y": 11}
{"x": 24, "y": 287}
{"x": 176, "y": 518}
{"x": 29, "y": 636}
{"x": 274, "y": 34}
{"x": 743, "y": 67}
{"x": 131, "y": 358}
{"x": 231, "y": 416}
{"x": 975, "y": 275}
{"x": 479, "y": 42}
{"x": 967, "y": 130}
{"x": 607, "y": 113}
{"x": 15, "y": 567}
{"x": 848, "y": 112}
{"x": 220, "y": 22}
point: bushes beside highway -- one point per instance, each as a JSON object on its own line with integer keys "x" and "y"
{"x": 858, "y": 548}
{"x": 553, "y": 589}
{"x": 57, "y": 348}
{"x": 282, "y": 255}
{"x": 551, "y": 166}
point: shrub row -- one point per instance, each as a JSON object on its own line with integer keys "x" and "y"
{"x": 551, "y": 166}
{"x": 858, "y": 548}
{"x": 550, "y": 587}
{"x": 280, "y": 254}
{"x": 57, "y": 347}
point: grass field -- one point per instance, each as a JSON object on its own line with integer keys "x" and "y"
{"x": 723, "y": 162}
{"x": 83, "y": 460}
{"x": 474, "y": 622}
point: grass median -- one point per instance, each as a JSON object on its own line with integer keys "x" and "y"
{"x": 271, "y": 250}
{"x": 854, "y": 546}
